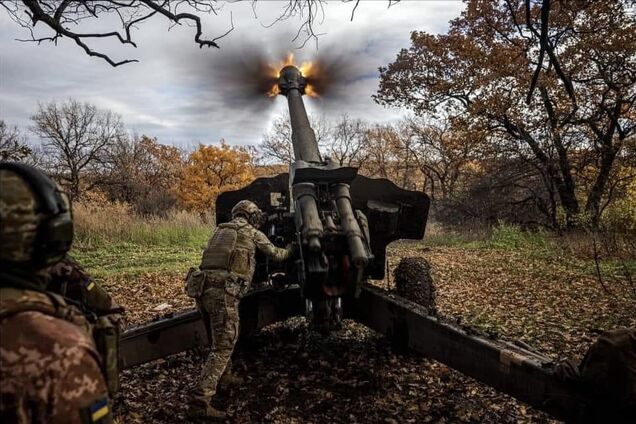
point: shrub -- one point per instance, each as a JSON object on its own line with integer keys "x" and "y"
{"x": 513, "y": 237}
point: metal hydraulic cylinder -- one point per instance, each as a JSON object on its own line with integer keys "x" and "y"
{"x": 349, "y": 224}
{"x": 311, "y": 226}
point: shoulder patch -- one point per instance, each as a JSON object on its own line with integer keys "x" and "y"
{"x": 88, "y": 284}
{"x": 98, "y": 412}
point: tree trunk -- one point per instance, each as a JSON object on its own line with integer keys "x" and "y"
{"x": 593, "y": 206}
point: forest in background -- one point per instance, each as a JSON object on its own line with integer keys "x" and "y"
{"x": 508, "y": 119}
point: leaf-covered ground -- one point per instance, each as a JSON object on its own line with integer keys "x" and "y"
{"x": 291, "y": 375}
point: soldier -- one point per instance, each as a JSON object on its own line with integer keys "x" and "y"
{"x": 69, "y": 279}
{"x": 224, "y": 276}
{"x": 607, "y": 374}
{"x": 50, "y": 367}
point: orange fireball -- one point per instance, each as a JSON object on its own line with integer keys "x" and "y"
{"x": 307, "y": 69}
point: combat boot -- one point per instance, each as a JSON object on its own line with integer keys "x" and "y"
{"x": 231, "y": 379}
{"x": 205, "y": 413}
{"x": 199, "y": 408}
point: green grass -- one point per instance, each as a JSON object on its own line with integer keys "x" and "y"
{"x": 512, "y": 237}
{"x": 452, "y": 239}
{"x": 163, "y": 249}
{"x": 112, "y": 241}
{"x": 573, "y": 251}
{"x": 162, "y": 235}
{"x": 130, "y": 260}
{"x": 500, "y": 237}
{"x": 104, "y": 224}
{"x": 126, "y": 229}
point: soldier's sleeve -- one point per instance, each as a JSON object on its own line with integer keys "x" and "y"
{"x": 99, "y": 300}
{"x": 267, "y": 247}
{"x": 71, "y": 280}
{"x": 82, "y": 394}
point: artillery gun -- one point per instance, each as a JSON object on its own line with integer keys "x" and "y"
{"x": 343, "y": 223}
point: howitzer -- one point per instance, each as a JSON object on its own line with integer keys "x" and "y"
{"x": 342, "y": 221}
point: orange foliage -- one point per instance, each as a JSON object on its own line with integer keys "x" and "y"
{"x": 211, "y": 170}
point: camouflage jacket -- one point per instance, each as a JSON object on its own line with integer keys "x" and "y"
{"x": 49, "y": 365}
{"x": 233, "y": 246}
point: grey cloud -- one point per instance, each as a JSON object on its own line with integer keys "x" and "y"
{"x": 182, "y": 94}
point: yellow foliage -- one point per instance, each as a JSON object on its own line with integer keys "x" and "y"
{"x": 211, "y": 170}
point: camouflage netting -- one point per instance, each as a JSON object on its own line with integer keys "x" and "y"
{"x": 413, "y": 281}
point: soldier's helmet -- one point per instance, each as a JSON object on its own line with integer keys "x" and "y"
{"x": 249, "y": 211}
{"x": 36, "y": 227}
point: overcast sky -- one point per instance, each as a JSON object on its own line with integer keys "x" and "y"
{"x": 185, "y": 95}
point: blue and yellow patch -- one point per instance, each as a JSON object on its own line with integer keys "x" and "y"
{"x": 98, "y": 410}
{"x": 88, "y": 285}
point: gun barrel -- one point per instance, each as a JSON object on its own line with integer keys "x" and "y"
{"x": 292, "y": 84}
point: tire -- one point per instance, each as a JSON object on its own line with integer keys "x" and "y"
{"x": 413, "y": 282}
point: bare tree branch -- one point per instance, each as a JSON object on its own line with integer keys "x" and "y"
{"x": 543, "y": 42}
{"x": 547, "y": 47}
{"x": 353, "y": 11}
{"x": 61, "y": 16}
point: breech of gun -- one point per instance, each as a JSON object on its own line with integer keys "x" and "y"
{"x": 312, "y": 230}
{"x": 350, "y": 225}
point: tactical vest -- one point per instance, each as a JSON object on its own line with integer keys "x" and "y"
{"x": 105, "y": 335}
{"x": 228, "y": 250}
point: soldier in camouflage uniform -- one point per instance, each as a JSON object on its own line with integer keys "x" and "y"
{"x": 224, "y": 276}
{"x": 50, "y": 368}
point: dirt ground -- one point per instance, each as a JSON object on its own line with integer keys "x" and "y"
{"x": 293, "y": 375}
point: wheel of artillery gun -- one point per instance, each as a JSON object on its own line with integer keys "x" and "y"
{"x": 413, "y": 281}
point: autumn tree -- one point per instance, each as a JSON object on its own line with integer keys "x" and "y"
{"x": 76, "y": 137}
{"x": 211, "y": 170}
{"x": 144, "y": 173}
{"x": 387, "y": 155}
{"x": 445, "y": 153}
{"x": 12, "y": 144}
{"x": 482, "y": 69}
{"x": 347, "y": 142}
{"x": 276, "y": 144}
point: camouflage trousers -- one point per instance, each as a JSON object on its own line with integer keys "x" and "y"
{"x": 219, "y": 303}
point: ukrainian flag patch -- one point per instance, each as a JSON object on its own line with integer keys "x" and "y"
{"x": 98, "y": 410}
{"x": 89, "y": 284}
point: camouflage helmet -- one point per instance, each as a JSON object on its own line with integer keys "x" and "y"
{"x": 36, "y": 229}
{"x": 248, "y": 210}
